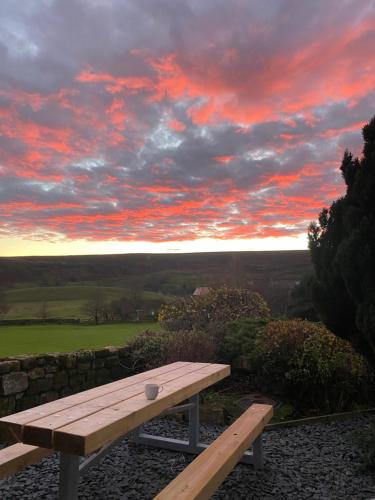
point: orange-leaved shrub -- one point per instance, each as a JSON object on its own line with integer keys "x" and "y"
{"x": 212, "y": 309}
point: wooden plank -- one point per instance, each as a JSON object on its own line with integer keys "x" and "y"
{"x": 15, "y": 421}
{"x": 47, "y": 408}
{"x": 88, "y": 434}
{"x": 39, "y": 432}
{"x": 15, "y": 457}
{"x": 200, "y": 479}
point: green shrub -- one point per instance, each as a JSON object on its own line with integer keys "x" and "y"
{"x": 239, "y": 340}
{"x": 141, "y": 353}
{"x": 299, "y": 361}
{"x": 213, "y": 309}
{"x": 152, "y": 349}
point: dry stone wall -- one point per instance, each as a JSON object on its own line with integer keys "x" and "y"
{"x": 27, "y": 381}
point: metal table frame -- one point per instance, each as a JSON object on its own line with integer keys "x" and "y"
{"x": 71, "y": 466}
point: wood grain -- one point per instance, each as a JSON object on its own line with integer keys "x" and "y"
{"x": 204, "y": 475}
{"x": 82, "y": 423}
{"x": 15, "y": 457}
{"x": 16, "y": 421}
{"x": 40, "y": 432}
{"x": 86, "y": 435}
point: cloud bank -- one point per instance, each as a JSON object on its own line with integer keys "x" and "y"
{"x": 166, "y": 121}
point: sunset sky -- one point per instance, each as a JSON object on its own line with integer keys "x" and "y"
{"x": 177, "y": 125}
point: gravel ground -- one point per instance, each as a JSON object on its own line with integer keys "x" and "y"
{"x": 307, "y": 462}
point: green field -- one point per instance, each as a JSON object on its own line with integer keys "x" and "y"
{"x": 64, "y": 338}
{"x": 64, "y": 301}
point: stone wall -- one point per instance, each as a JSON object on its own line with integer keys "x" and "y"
{"x": 27, "y": 381}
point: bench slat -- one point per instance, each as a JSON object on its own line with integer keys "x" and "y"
{"x": 200, "y": 479}
{"x": 19, "y": 455}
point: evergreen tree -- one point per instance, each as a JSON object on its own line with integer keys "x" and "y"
{"x": 342, "y": 247}
{"x": 300, "y": 303}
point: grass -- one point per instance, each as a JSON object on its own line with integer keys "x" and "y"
{"x": 68, "y": 292}
{"x": 63, "y": 301}
{"x": 55, "y": 309}
{"x": 40, "y": 339}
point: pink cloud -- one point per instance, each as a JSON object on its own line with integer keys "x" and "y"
{"x": 224, "y": 158}
{"x": 159, "y": 135}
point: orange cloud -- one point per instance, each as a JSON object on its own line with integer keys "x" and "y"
{"x": 116, "y": 114}
{"x": 95, "y": 159}
{"x": 223, "y": 158}
{"x": 177, "y": 126}
{"x": 287, "y": 83}
{"x": 115, "y": 84}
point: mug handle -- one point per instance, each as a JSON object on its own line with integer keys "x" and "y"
{"x": 161, "y": 388}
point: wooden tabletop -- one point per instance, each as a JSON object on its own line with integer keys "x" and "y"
{"x": 84, "y": 422}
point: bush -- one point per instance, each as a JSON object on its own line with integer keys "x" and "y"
{"x": 212, "y": 310}
{"x": 152, "y": 349}
{"x": 144, "y": 351}
{"x": 239, "y": 340}
{"x": 300, "y": 361}
{"x": 189, "y": 346}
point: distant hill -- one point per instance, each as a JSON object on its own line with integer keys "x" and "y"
{"x": 277, "y": 265}
{"x": 273, "y": 274}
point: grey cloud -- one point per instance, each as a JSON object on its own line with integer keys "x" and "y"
{"x": 219, "y": 45}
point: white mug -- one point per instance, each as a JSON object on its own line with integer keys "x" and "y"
{"x": 152, "y": 390}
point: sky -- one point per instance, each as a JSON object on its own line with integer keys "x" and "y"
{"x": 171, "y": 126}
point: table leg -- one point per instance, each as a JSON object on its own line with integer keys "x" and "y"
{"x": 69, "y": 476}
{"x": 194, "y": 423}
{"x": 193, "y": 445}
{"x": 258, "y": 453}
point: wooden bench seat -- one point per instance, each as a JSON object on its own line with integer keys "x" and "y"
{"x": 19, "y": 455}
{"x": 200, "y": 479}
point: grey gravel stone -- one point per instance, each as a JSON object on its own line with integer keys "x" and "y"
{"x": 315, "y": 462}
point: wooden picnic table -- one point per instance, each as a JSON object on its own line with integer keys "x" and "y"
{"x": 89, "y": 423}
